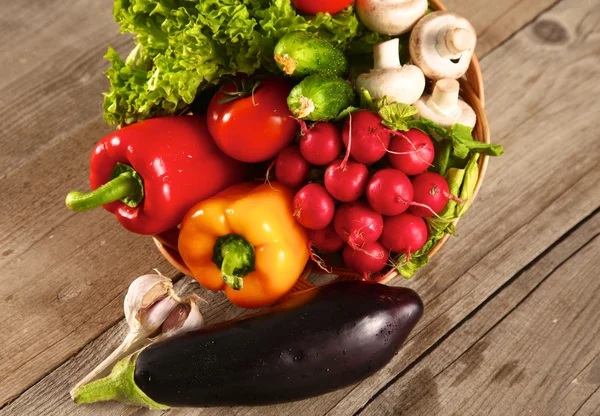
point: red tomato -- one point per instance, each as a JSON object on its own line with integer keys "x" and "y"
{"x": 254, "y": 128}
{"x": 323, "y": 6}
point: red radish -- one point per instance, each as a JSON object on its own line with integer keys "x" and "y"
{"x": 404, "y": 233}
{"x": 322, "y": 144}
{"x": 356, "y": 223}
{"x": 370, "y": 259}
{"x": 389, "y": 192}
{"x": 431, "y": 190}
{"x": 313, "y": 207}
{"x": 411, "y": 152}
{"x": 346, "y": 182}
{"x": 325, "y": 239}
{"x": 344, "y": 179}
{"x": 370, "y": 138}
{"x": 291, "y": 169}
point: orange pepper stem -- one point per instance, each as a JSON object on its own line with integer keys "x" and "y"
{"x": 234, "y": 255}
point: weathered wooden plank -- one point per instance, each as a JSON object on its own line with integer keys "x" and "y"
{"x": 45, "y": 259}
{"x": 592, "y": 406}
{"x": 51, "y": 80}
{"x": 509, "y": 16}
{"x": 581, "y": 390}
{"x": 529, "y": 363}
{"x": 417, "y": 391}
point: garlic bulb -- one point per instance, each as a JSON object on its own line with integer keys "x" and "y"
{"x": 149, "y": 301}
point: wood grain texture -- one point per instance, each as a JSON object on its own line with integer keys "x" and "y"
{"x": 591, "y": 407}
{"x": 469, "y": 352}
{"x": 62, "y": 286}
{"x": 497, "y": 21}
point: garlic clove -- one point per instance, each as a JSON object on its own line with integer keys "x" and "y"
{"x": 185, "y": 317}
{"x": 444, "y": 106}
{"x": 153, "y": 317}
{"x": 148, "y": 302}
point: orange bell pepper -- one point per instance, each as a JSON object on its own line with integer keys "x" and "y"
{"x": 245, "y": 241}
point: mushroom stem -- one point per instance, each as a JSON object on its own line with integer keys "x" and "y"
{"x": 452, "y": 42}
{"x": 386, "y": 55}
{"x": 444, "y": 99}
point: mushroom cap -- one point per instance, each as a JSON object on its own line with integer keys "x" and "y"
{"x": 402, "y": 85}
{"x": 390, "y": 17}
{"x": 434, "y": 56}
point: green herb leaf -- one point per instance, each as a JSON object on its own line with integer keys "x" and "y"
{"x": 437, "y": 132}
{"x": 345, "y": 113}
{"x": 442, "y": 157}
{"x": 396, "y": 116}
{"x": 468, "y": 187}
{"x": 407, "y": 270}
{"x": 366, "y": 102}
{"x": 461, "y": 137}
{"x": 417, "y": 259}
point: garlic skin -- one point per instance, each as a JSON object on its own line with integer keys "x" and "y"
{"x": 148, "y": 303}
{"x": 444, "y": 106}
{"x": 402, "y": 84}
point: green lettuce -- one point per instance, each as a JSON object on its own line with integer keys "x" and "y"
{"x": 184, "y": 47}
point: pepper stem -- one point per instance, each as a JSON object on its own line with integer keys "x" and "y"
{"x": 119, "y": 385}
{"x": 125, "y": 185}
{"x": 234, "y": 255}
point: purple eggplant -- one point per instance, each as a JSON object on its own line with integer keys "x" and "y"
{"x": 316, "y": 342}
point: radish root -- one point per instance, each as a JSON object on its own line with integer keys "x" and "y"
{"x": 267, "y": 175}
{"x": 405, "y": 137}
{"x": 318, "y": 260}
{"x": 344, "y": 163}
{"x": 454, "y": 198}
{"x": 417, "y": 204}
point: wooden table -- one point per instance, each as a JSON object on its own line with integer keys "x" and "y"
{"x": 512, "y": 321}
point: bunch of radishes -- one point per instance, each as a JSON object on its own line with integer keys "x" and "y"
{"x": 368, "y": 204}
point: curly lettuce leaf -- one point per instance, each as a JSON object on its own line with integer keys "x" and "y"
{"x": 190, "y": 45}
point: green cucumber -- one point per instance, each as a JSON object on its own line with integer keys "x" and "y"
{"x": 320, "y": 98}
{"x": 300, "y": 54}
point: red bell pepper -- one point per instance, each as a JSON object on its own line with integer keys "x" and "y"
{"x": 149, "y": 174}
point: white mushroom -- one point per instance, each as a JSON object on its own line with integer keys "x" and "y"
{"x": 444, "y": 107}
{"x": 390, "y": 17}
{"x": 442, "y": 45}
{"x": 403, "y": 84}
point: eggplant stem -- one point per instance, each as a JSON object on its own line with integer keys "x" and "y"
{"x": 132, "y": 342}
{"x": 119, "y": 385}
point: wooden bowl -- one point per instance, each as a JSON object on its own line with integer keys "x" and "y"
{"x": 471, "y": 92}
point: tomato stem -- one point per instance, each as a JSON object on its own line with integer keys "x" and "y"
{"x": 243, "y": 89}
